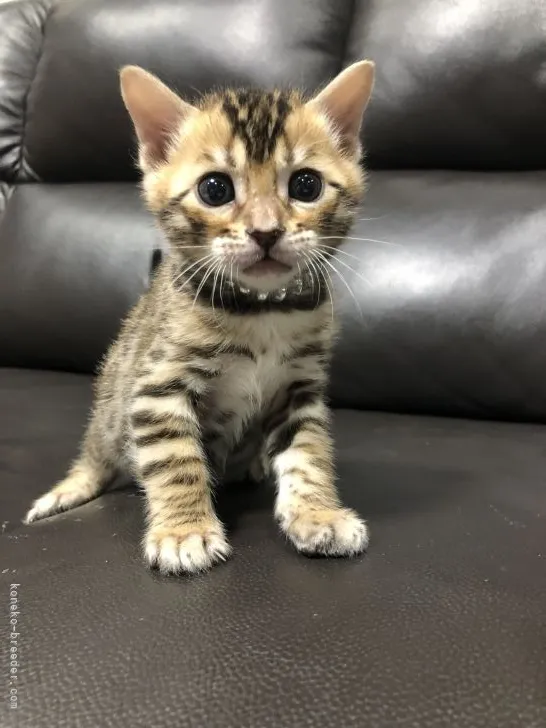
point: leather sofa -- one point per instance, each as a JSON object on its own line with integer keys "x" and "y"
{"x": 438, "y": 383}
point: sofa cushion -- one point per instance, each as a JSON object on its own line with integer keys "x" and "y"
{"x": 73, "y": 259}
{"x": 441, "y": 624}
{"x": 78, "y": 128}
{"x": 446, "y": 311}
{"x": 459, "y": 85}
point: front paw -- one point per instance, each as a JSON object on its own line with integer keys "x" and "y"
{"x": 189, "y": 548}
{"x": 326, "y": 531}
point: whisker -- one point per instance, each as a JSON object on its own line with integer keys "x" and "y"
{"x": 342, "y": 278}
{"x": 337, "y": 250}
{"x": 369, "y": 219}
{"x": 210, "y": 269}
{"x": 363, "y": 240}
{"x": 314, "y": 272}
{"x": 205, "y": 261}
{"x": 214, "y": 282}
{"x": 355, "y": 272}
{"x": 185, "y": 270}
{"x": 311, "y": 274}
{"x": 327, "y": 277}
{"x": 224, "y": 268}
{"x": 231, "y": 272}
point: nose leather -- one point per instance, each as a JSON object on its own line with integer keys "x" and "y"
{"x": 266, "y": 239}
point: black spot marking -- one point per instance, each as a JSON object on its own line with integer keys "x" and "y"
{"x": 285, "y": 435}
{"x": 236, "y": 350}
{"x": 155, "y": 467}
{"x": 167, "y": 389}
{"x": 307, "y": 350}
{"x": 146, "y": 418}
{"x": 184, "y": 479}
{"x": 165, "y": 433}
{"x": 206, "y": 351}
{"x": 202, "y": 372}
{"x": 303, "y": 392}
{"x": 258, "y": 119}
{"x": 172, "y": 206}
{"x": 156, "y": 355}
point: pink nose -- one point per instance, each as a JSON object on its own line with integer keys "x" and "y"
{"x": 266, "y": 239}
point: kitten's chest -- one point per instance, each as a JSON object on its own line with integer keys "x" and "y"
{"x": 249, "y": 385}
{"x": 254, "y": 376}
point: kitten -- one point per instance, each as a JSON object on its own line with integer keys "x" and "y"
{"x": 220, "y": 370}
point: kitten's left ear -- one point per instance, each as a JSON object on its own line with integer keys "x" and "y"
{"x": 345, "y": 98}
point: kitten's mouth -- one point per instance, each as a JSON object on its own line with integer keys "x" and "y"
{"x": 267, "y": 267}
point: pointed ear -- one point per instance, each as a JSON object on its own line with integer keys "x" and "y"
{"x": 156, "y": 112}
{"x": 345, "y": 98}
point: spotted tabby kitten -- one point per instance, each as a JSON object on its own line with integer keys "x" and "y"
{"x": 221, "y": 368}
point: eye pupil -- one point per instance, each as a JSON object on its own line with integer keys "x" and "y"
{"x": 216, "y": 189}
{"x": 305, "y": 186}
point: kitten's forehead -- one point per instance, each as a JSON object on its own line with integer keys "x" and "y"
{"x": 258, "y": 118}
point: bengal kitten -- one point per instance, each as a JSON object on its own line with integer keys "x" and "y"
{"x": 220, "y": 370}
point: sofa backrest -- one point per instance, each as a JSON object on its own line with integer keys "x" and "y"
{"x": 460, "y": 86}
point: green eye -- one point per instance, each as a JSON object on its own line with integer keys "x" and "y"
{"x": 305, "y": 185}
{"x": 216, "y": 189}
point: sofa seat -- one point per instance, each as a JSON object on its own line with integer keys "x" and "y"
{"x": 443, "y": 622}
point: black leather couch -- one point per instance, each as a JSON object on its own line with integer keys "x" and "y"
{"x": 439, "y": 381}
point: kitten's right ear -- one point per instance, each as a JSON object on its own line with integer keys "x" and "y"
{"x": 156, "y": 112}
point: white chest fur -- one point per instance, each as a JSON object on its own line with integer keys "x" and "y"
{"x": 250, "y": 384}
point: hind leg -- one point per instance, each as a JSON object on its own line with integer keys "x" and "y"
{"x": 86, "y": 479}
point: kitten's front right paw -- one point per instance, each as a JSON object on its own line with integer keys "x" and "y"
{"x": 190, "y": 548}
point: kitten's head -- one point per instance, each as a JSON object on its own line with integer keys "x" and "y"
{"x": 256, "y": 184}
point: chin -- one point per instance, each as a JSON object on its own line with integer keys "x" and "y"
{"x": 267, "y": 275}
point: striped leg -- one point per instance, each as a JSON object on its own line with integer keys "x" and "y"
{"x": 184, "y": 534}
{"x": 308, "y": 507}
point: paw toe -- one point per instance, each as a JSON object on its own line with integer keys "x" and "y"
{"x": 179, "y": 552}
{"x": 335, "y": 532}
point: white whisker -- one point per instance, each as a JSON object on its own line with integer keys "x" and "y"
{"x": 342, "y": 278}
{"x": 355, "y": 272}
{"x": 314, "y": 273}
{"x": 327, "y": 277}
{"x": 210, "y": 269}
{"x": 363, "y": 240}
{"x": 214, "y": 282}
{"x": 189, "y": 267}
{"x": 369, "y": 219}
{"x": 332, "y": 248}
{"x": 221, "y": 287}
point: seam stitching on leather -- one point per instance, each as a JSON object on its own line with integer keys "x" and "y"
{"x": 48, "y": 6}
{"x": 6, "y": 190}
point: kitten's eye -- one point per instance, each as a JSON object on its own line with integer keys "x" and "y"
{"x": 305, "y": 185}
{"x": 216, "y": 189}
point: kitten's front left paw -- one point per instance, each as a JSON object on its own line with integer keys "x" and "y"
{"x": 331, "y": 532}
{"x": 190, "y": 548}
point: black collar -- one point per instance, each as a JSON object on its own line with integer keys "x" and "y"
{"x": 303, "y": 293}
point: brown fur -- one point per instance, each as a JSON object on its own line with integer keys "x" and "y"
{"x": 214, "y": 374}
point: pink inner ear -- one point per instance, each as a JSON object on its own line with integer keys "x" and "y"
{"x": 345, "y": 99}
{"x": 154, "y": 141}
{"x": 156, "y": 112}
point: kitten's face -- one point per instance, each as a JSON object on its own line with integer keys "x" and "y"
{"x": 254, "y": 186}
